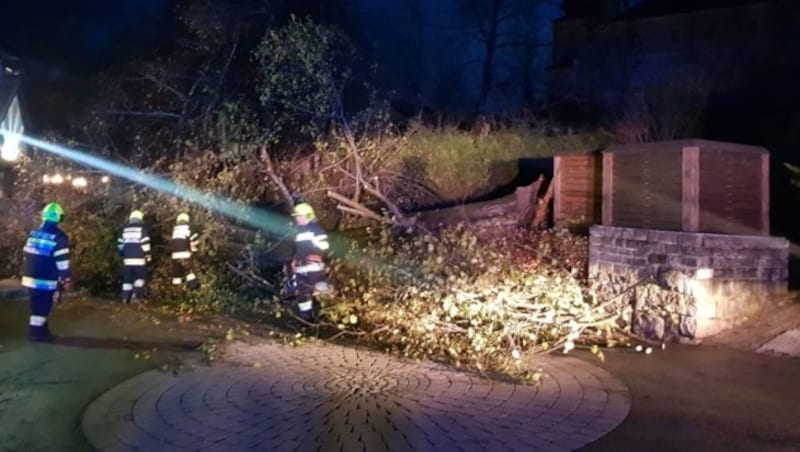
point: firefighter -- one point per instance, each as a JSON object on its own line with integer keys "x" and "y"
{"x": 182, "y": 245}
{"x": 134, "y": 247}
{"x": 311, "y": 244}
{"x": 46, "y": 270}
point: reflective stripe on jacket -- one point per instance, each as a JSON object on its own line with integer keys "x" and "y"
{"x": 311, "y": 244}
{"x": 183, "y": 242}
{"x": 134, "y": 243}
{"x": 46, "y": 255}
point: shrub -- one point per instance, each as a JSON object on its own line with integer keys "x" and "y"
{"x": 18, "y": 218}
{"x": 95, "y": 216}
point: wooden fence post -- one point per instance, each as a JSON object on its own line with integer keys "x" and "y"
{"x": 690, "y": 164}
{"x": 608, "y": 187}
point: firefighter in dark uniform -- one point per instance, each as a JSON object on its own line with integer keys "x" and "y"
{"x": 134, "y": 247}
{"x": 182, "y": 245}
{"x": 311, "y": 244}
{"x": 46, "y": 270}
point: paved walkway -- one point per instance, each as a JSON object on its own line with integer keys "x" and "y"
{"x": 332, "y": 398}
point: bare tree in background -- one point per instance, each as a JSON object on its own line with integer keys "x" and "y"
{"x": 507, "y": 34}
{"x": 159, "y": 107}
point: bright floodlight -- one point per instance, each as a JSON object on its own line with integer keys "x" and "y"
{"x": 10, "y": 149}
{"x": 57, "y": 179}
{"x": 704, "y": 273}
{"x": 46, "y": 179}
{"x": 79, "y": 182}
{"x": 105, "y": 179}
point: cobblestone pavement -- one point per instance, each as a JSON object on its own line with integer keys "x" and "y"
{"x": 323, "y": 397}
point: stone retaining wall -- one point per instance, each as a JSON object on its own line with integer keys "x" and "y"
{"x": 729, "y": 276}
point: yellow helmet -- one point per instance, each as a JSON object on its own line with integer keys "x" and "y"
{"x": 304, "y": 210}
{"x": 183, "y": 217}
{"x": 137, "y": 215}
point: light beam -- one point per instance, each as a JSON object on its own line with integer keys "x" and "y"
{"x": 259, "y": 218}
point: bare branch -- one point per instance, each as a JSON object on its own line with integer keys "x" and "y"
{"x": 276, "y": 179}
{"x": 355, "y": 206}
{"x": 398, "y": 214}
{"x": 151, "y": 114}
{"x": 368, "y": 214}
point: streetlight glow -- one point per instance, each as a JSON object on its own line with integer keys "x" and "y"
{"x": 10, "y": 149}
{"x": 79, "y": 182}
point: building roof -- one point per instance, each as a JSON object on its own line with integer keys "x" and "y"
{"x": 651, "y": 8}
{"x": 654, "y": 8}
{"x": 672, "y": 145}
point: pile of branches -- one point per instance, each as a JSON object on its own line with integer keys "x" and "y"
{"x": 476, "y": 302}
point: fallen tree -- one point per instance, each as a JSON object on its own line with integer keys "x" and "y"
{"x": 524, "y": 207}
{"x": 477, "y": 299}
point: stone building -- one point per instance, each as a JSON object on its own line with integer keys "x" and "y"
{"x": 734, "y": 53}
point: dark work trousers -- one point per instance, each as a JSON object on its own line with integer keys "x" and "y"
{"x": 133, "y": 281}
{"x": 182, "y": 272}
{"x": 304, "y": 292}
{"x": 41, "y": 305}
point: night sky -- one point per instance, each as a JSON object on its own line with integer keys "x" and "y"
{"x": 80, "y": 35}
{"x": 68, "y": 44}
{"x": 56, "y": 40}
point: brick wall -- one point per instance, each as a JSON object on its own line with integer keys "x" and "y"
{"x": 752, "y": 258}
{"x": 732, "y": 276}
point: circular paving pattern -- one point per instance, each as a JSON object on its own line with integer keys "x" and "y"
{"x": 328, "y": 398}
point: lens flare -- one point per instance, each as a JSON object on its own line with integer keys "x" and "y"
{"x": 10, "y": 148}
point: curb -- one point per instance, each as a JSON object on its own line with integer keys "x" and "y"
{"x": 10, "y": 287}
{"x": 12, "y": 292}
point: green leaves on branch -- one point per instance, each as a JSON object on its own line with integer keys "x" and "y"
{"x": 303, "y": 68}
{"x": 237, "y": 132}
{"x": 477, "y": 302}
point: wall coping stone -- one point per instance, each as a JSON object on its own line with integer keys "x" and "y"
{"x": 704, "y": 239}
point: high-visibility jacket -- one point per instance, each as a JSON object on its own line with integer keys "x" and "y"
{"x": 183, "y": 242}
{"x": 134, "y": 244}
{"x": 46, "y": 257}
{"x": 311, "y": 244}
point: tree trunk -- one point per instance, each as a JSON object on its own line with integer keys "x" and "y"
{"x": 491, "y": 42}
{"x": 527, "y": 198}
{"x": 542, "y": 207}
{"x": 274, "y": 177}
